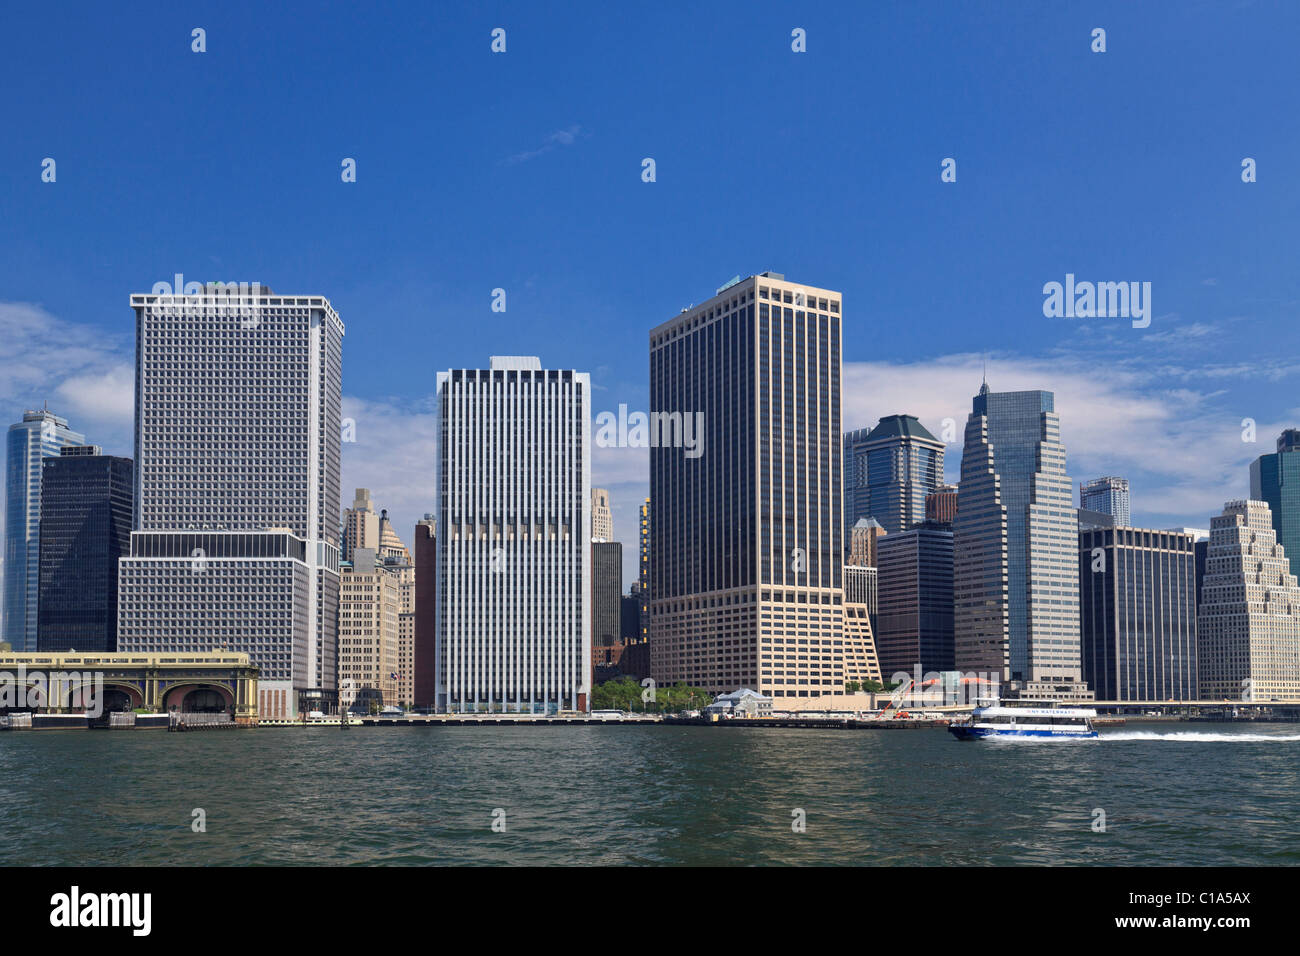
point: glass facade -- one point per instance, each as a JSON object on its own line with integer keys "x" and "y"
{"x": 1275, "y": 480}
{"x": 1137, "y": 603}
{"x": 86, "y": 508}
{"x": 1019, "y": 506}
{"x": 889, "y": 471}
{"x": 37, "y": 437}
{"x": 916, "y": 601}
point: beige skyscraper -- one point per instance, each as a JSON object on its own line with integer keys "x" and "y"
{"x": 360, "y": 524}
{"x": 406, "y": 635}
{"x": 369, "y": 608}
{"x": 602, "y": 519}
{"x": 363, "y": 527}
{"x": 747, "y": 542}
{"x": 1248, "y": 622}
{"x": 863, "y": 536}
{"x": 378, "y": 640}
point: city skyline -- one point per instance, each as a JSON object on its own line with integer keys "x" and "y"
{"x": 543, "y": 198}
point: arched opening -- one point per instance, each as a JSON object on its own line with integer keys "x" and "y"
{"x": 99, "y": 699}
{"x": 116, "y": 700}
{"x": 205, "y": 700}
{"x": 198, "y": 698}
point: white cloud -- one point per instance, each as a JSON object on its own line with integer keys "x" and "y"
{"x": 561, "y": 137}
{"x": 1181, "y": 449}
{"x": 84, "y": 373}
{"x": 395, "y": 456}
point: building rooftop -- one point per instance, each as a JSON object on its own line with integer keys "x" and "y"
{"x": 895, "y": 426}
{"x": 516, "y": 363}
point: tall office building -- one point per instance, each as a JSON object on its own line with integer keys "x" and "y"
{"x": 864, "y": 538}
{"x": 1137, "y": 608}
{"x": 606, "y": 605}
{"x": 371, "y": 547}
{"x": 1275, "y": 480}
{"x": 364, "y": 528}
{"x": 360, "y": 525}
{"x": 85, "y": 528}
{"x": 941, "y": 504}
{"x": 643, "y": 569}
{"x": 1202, "y": 550}
{"x": 1108, "y": 496}
{"x": 40, "y": 435}
{"x": 889, "y": 470}
{"x": 747, "y": 542}
{"x": 860, "y": 586}
{"x": 86, "y": 506}
{"x": 1248, "y": 624}
{"x": 406, "y": 617}
{"x": 424, "y": 654}
{"x": 369, "y": 610}
{"x": 602, "y": 519}
{"x": 237, "y": 438}
{"x": 514, "y": 546}
{"x": 1016, "y": 558}
{"x": 915, "y": 617}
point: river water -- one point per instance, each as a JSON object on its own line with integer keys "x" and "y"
{"x": 1171, "y": 794}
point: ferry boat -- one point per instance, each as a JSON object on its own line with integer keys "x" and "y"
{"x": 1025, "y": 718}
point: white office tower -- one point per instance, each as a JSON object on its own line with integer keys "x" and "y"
{"x": 513, "y": 552}
{"x": 237, "y": 440}
{"x": 1248, "y": 621}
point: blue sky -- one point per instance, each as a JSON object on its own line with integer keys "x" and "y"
{"x": 522, "y": 171}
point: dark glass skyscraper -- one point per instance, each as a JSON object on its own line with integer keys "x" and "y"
{"x": 1137, "y": 604}
{"x": 915, "y": 617}
{"x": 606, "y": 602}
{"x": 86, "y": 507}
{"x": 889, "y": 470}
{"x": 1275, "y": 480}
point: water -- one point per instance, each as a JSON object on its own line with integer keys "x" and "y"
{"x": 649, "y": 795}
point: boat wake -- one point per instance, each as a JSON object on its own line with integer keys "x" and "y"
{"x": 1198, "y": 736}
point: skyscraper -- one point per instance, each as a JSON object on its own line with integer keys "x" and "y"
{"x": 364, "y": 528}
{"x": 1016, "y": 559}
{"x": 38, "y": 436}
{"x": 376, "y": 609}
{"x": 941, "y": 504}
{"x": 915, "y": 616}
{"x": 406, "y": 622}
{"x": 643, "y": 569}
{"x": 1275, "y": 480}
{"x": 1137, "y": 604}
{"x": 864, "y": 538}
{"x": 514, "y": 544}
{"x": 1248, "y": 624}
{"x": 86, "y": 506}
{"x": 889, "y": 470}
{"x": 424, "y": 654}
{"x": 237, "y": 444}
{"x": 1108, "y": 496}
{"x": 747, "y": 542}
{"x": 602, "y": 519}
{"x": 370, "y": 604}
{"x": 606, "y": 604}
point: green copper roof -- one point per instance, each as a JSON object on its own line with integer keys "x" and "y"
{"x": 892, "y": 426}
